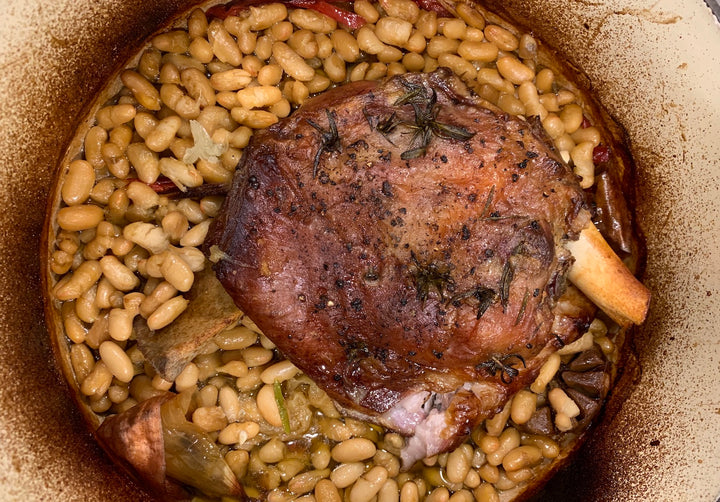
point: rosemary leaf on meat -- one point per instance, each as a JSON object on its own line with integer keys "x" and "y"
{"x": 480, "y": 294}
{"x": 425, "y": 125}
{"x": 488, "y": 201}
{"x": 430, "y": 277}
{"x": 505, "y": 280}
{"x": 523, "y": 306}
{"x": 416, "y": 93}
{"x": 500, "y": 364}
{"x": 508, "y": 274}
{"x": 385, "y": 126}
{"x": 329, "y": 138}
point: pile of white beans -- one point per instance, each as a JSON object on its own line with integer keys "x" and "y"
{"x": 122, "y": 250}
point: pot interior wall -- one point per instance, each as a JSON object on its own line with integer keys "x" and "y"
{"x": 55, "y": 57}
{"x": 652, "y": 66}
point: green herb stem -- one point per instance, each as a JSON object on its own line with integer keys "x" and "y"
{"x": 282, "y": 408}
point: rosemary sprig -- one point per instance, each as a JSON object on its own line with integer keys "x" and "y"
{"x": 431, "y": 277}
{"x": 499, "y": 364}
{"x": 385, "y": 127}
{"x": 425, "y": 125}
{"x": 329, "y": 138}
{"x": 480, "y": 294}
{"x": 416, "y": 93}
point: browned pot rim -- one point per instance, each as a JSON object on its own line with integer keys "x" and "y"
{"x": 673, "y": 89}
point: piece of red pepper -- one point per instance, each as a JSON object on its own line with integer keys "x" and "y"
{"x": 433, "y": 6}
{"x": 342, "y": 16}
{"x": 165, "y": 186}
{"x": 233, "y": 8}
{"x": 601, "y": 154}
{"x": 161, "y": 186}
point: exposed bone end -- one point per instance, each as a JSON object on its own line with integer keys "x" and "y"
{"x": 603, "y": 277}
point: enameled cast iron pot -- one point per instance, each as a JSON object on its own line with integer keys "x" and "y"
{"x": 654, "y": 65}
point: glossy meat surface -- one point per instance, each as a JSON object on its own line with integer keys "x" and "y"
{"x": 402, "y": 244}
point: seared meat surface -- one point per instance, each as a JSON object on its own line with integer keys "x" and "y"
{"x": 402, "y": 243}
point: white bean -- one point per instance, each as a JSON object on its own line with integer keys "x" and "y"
{"x": 79, "y": 217}
{"x": 180, "y": 173}
{"x": 81, "y": 280}
{"x": 280, "y": 372}
{"x": 196, "y": 235}
{"x": 354, "y": 450}
{"x": 267, "y": 405}
{"x": 291, "y": 62}
{"x": 120, "y": 324}
{"x": 142, "y": 195}
{"x": 120, "y": 276}
{"x": 167, "y": 313}
{"x": 161, "y": 136}
{"x": 177, "y": 272}
{"x": 562, "y": 403}
{"x": 117, "y": 361}
{"x": 78, "y": 182}
{"x": 145, "y": 162}
{"x": 368, "y": 485}
{"x": 230, "y": 80}
{"x": 547, "y": 372}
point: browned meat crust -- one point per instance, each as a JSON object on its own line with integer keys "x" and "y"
{"x": 401, "y": 238}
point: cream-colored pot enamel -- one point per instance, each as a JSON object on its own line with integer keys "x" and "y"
{"x": 655, "y": 65}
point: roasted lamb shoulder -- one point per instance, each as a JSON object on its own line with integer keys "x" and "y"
{"x": 404, "y": 244}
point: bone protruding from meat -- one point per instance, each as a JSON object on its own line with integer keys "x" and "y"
{"x": 603, "y": 277}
